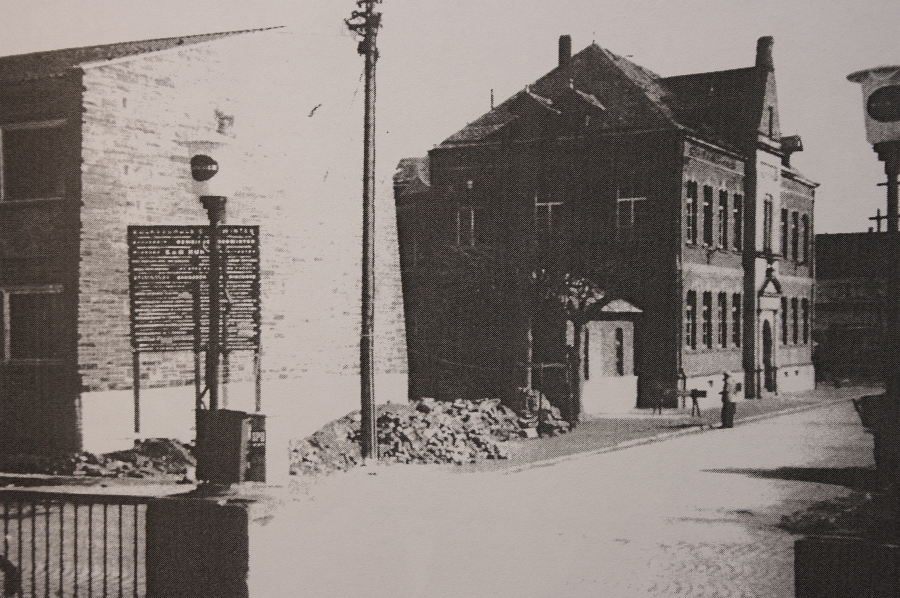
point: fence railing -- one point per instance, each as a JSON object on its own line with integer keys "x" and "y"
{"x": 73, "y": 544}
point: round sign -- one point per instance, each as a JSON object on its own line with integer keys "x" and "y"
{"x": 203, "y": 167}
{"x": 883, "y": 104}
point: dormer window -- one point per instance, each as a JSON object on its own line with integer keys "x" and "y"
{"x": 33, "y": 160}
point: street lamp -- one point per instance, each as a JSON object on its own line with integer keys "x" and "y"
{"x": 213, "y": 174}
{"x": 881, "y": 99}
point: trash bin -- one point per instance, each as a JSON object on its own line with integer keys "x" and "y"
{"x": 231, "y": 447}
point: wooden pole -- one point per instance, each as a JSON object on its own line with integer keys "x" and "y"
{"x": 366, "y": 23}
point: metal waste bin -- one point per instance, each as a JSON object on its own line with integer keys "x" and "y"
{"x": 231, "y": 447}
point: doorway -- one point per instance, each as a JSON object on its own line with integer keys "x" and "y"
{"x": 768, "y": 358}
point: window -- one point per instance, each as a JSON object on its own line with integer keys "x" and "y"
{"x": 32, "y": 324}
{"x": 736, "y": 319}
{"x": 33, "y": 160}
{"x": 738, "y": 219}
{"x": 795, "y": 328}
{"x": 723, "y": 219}
{"x": 804, "y": 256}
{"x": 620, "y": 352}
{"x": 707, "y": 320}
{"x": 691, "y": 212}
{"x": 690, "y": 320}
{"x": 707, "y": 215}
{"x": 631, "y": 212}
{"x": 723, "y": 320}
{"x": 767, "y": 223}
{"x": 546, "y": 220}
{"x": 804, "y": 306}
{"x": 784, "y": 232}
{"x": 795, "y": 236}
{"x": 784, "y": 321}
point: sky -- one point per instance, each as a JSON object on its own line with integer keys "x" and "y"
{"x": 440, "y": 60}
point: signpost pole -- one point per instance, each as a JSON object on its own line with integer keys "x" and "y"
{"x": 215, "y": 207}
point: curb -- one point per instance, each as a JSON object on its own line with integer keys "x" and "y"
{"x": 669, "y": 435}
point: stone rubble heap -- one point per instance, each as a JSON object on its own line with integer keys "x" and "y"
{"x": 150, "y": 458}
{"x": 424, "y": 431}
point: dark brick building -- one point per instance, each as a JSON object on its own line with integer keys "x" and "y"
{"x": 851, "y": 301}
{"x": 96, "y": 139}
{"x": 673, "y": 194}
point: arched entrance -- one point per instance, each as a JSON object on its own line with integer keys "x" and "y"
{"x": 769, "y": 372}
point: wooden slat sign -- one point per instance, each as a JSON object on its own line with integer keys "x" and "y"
{"x": 168, "y": 268}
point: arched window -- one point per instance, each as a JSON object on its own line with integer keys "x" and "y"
{"x": 690, "y": 207}
{"x": 690, "y": 320}
{"x": 707, "y": 320}
{"x": 784, "y": 321}
{"x": 723, "y": 319}
{"x": 620, "y": 352}
{"x": 804, "y": 306}
{"x": 795, "y": 330}
{"x": 805, "y": 241}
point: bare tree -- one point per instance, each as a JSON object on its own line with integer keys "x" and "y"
{"x": 574, "y": 295}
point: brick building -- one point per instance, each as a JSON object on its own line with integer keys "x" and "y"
{"x": 851, "y": 301}
{"x": 96, "y": 139}
{"x": 673, "y": 194}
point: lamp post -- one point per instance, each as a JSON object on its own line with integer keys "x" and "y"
{"x": 212, "y": 172}
{"x": 881, "y": 98}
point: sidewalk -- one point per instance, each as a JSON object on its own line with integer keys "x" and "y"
{"x": 641, "y": 426}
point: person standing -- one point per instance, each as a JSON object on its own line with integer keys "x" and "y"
{"x": 728, "y": 406}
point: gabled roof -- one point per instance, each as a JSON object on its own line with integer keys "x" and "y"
{"x": 39, "y": 65}
{"x": 719, "y": 106}
{"x": 629, "y": 96}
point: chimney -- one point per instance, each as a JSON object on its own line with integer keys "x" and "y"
{"x": 764, "y": 53}
{"x": 565, "y": 50}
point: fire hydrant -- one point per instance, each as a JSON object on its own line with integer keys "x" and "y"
{"x": 728, "y": 406}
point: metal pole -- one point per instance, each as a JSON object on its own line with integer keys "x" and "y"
{"x": 215, "y": 207}
{"x": 136, "y": 374}
{"x": 888, "y": 448}
{"x": 366, "y": 23}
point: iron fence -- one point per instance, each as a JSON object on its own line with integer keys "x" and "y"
{"x": 73, "y": 544}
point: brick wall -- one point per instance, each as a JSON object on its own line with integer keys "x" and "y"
{"x": 297, "y": 181}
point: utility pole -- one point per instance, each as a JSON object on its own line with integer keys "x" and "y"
{"x": 365, "y": 23}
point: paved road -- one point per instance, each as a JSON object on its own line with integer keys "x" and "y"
{"x": 692, "y": 516}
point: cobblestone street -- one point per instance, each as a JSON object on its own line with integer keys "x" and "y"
{"x": 690, "y": 516}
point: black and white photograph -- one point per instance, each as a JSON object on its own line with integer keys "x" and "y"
{"x": 471, "y": 299}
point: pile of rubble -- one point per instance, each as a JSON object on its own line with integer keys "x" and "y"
{"x": 151, "y": 458}
{"x": 429, "y": 431}
{"x": 426, "y": 431}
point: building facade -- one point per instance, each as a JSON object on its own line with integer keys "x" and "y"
{"x": 97, "y": 139}
{"x": 673, "y": 194}
{"x": 852, "y": 272}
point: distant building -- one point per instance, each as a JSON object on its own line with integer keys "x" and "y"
{"x": 852, "y": 271}
{"x": 673, "y": 194}
{"x": 99, "y": 138}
